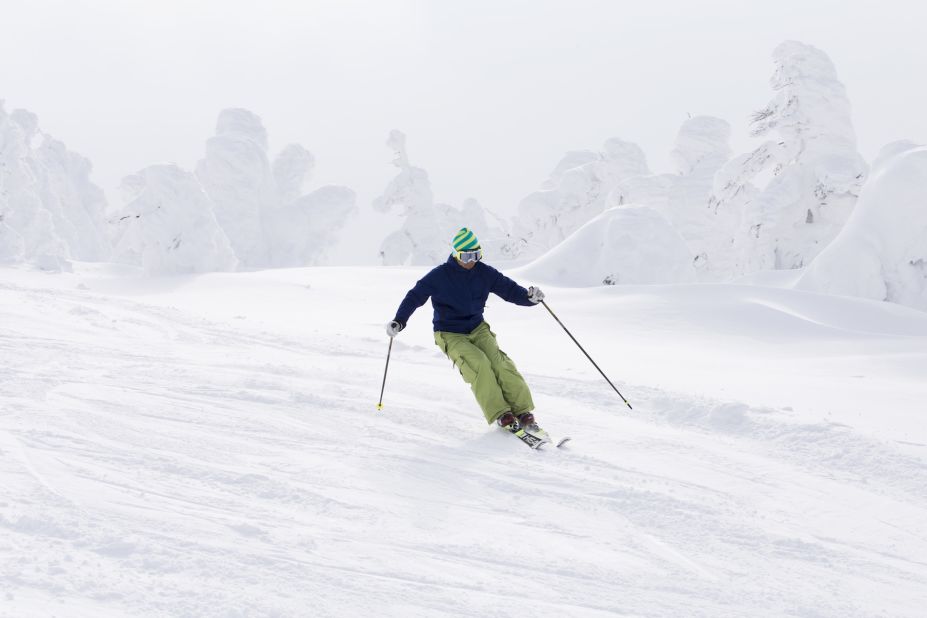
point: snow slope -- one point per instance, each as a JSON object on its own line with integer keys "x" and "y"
{"x": 209, "y": 445}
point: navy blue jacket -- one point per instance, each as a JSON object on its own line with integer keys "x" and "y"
{"x": 459, "y": 295}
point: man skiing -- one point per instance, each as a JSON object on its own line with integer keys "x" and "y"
{"x": 458, "y": 290}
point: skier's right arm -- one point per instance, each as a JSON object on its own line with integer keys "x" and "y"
{"x": 416, "y": 297}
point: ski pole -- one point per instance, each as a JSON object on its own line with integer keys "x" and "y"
{"x": 587, "y": 354}
{"x": 382, "y": 388}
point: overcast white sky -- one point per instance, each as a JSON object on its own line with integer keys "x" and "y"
{"x": 490, "y": 93}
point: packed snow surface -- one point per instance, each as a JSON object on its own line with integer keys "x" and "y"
{"x": 209, "y": 445}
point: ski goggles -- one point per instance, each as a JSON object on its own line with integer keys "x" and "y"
{"x": 470, "y": 256}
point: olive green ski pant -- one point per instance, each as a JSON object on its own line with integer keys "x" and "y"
{"x": 491, "y": 374}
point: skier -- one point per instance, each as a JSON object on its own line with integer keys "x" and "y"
{"x": 458, "y": 290}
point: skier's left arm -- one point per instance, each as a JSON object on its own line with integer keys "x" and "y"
{"x": 508, "y": 290}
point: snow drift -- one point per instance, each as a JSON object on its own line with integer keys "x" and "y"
{"x": 881, "y": 253}
{"x": 620, "y": 246}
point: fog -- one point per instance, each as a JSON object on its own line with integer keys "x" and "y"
{"x": 490, "y": 94}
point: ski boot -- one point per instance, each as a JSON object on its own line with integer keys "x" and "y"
{"x": 507, "y": 421}
{"x": 526, "y": 421}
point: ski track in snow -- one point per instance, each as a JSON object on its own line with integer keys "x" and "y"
{"x": 158, "y": 463}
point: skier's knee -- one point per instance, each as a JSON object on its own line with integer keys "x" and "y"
{"x": 481, "y": 364}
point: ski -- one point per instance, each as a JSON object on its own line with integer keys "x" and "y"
{"x": 533, "y": 441}
{"x": 535, "y": 437}
{"x": 537, "y": 431}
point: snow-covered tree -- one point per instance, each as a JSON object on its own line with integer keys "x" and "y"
{"x": 427, "y": 227}
{"x": 816, "y": 170}
{"x": 236, "y": 175}
{"x": 701, "y": 149}
{"x": 50, "y": 210}
{"x": 167, "y": 224}
{"x": 31, "y": 231}
{"x": 262, "y": 209}
{"x": 470, "y": 214}
{"x": 302, "y": 232}
{"x": 292, "y": 167}
{"x": 489, "y": 228}
{"x": 575, "y": 192}
{"x": 881, "y": 253}
{"x": 77, "y": 205}
{"x": 12, "y": 247}
{"x": 422, "y": 239}
{"x": 300, "y": 229}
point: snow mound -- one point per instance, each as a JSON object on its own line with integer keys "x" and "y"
{"x": 167, "y": 224}
{"x": 881, "y": 253}
{"x": 620, "y": 246}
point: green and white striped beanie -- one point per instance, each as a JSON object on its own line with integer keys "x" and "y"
{"x": 465, "y": 240}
